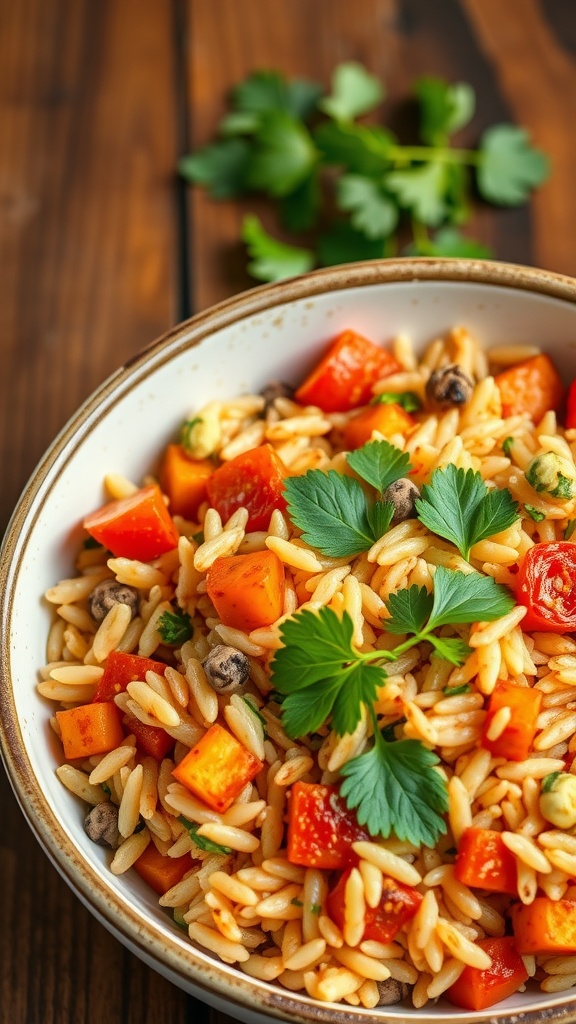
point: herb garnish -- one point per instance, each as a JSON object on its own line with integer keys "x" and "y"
{"x": 201, "y": 841}
{"x": 309, "y": 154}
{"x": 175, "y": 627}
{"x": 458, "y": 506}
{"x": 408, "y": 400}
{"x": 534, "y": 513}
{"x": 323, "y": 675}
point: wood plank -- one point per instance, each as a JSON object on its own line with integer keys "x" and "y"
{"x": 89, "y": 275}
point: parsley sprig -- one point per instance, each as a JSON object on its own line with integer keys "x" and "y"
{"x": 323, "y": 676}
{"x": 307, "y": 151}
{"x": 175, "y": 627}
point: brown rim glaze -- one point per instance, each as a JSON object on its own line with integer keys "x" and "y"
{"x": 184, "y": 965}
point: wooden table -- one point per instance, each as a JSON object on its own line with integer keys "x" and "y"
{"x": 102, "y": 249}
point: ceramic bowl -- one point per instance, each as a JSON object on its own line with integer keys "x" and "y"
{"x": 271, "y": 332}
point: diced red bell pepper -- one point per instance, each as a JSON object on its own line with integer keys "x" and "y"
{"x": 253, "y": 480}
{"x": 138, "y": 527}
{"x": 321, "y": 828}
{"x": 515, "y": 741}
{"x": 398, "y": 905}
{"x": 476, "y": 989}
{"x": 150, "y": 739}
{"x": 483, "y": 861}
{"x": 345, "y": 376}
{"x": 121, "y": 669}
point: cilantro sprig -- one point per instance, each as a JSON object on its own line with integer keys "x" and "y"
{"x": 175, "y": 627}
{"x": 321, "y": 676}
{"x": 333, "y": 511}
{"x": 352, "y": 187}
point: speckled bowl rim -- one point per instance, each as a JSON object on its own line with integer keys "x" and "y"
{"x": 220, "y": 985}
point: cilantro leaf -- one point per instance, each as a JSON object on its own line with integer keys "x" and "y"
{"x": 331, "y": 511}
{"x": 458, "y": 506}
{"x": 379, "y": 463}
{"x": 354, "y": 92}
{"x": 175, "y": 627}
{"x": 409, "y": 610}
{"x": 444, "y": 108}
{"x": 467, "y": 597}
{"x": 394, "y": 788}
{"x": 222, "y": 167}
{"x": 201, "y": 841}
{"x": 372, "y": 211}
{"x": 360, "y": 148}
{"x": 322, "y": 673}
{"x": 421, "y": 190}
{"x": 408, "y": 400}
{"x": 270, "y": 259}
{"x": 283, "y": 156}
{"x": 344, "y": 244}
{"x": 509, "y": 166}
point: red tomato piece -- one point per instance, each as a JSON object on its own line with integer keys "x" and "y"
{"x": 515, "y": 741}
{"x": 345, "y": 376}
{"x": 253, "y": 480}
{"x": 546, "y": 585}
{"x": 321, "y": 829}
{"x": 532, "y": 387}
{"x": 571, "y": 407}
{"x": 121, "y": 669}
{"x": 483, "y": 861}
{"x": 476, "y": 989}
{"x": 139, "y": 526}
{"x": 398, "y": 905}
{"x": 150, "y": 739}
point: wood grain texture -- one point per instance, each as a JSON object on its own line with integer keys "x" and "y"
{"x": 99, "y": 255}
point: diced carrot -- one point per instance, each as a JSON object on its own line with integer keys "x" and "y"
{"x": 515, "y": 741}
{"x": 217, "y": 768}
{"x": 160, "y": 872}
{"x": 247, "y": 591}
{"x": 90, "y": 729}
{"x": 477, "y": 989}
{"x": 321, "y": 828}
{"x": 150, "y": 739}
{"x": 545, "y": 926}
{"x": 139, "y": 526}
{"x": 121, "y": 669}
{"x": 183, "y": 480}
{"x": 344, "y": 377}
{"x": 253, "y": 480}
{"x": 483, "y": 861}
{"x": 386, "y": 419}
{"x": 532, "y": 387}
{"x": 398, "y": 905}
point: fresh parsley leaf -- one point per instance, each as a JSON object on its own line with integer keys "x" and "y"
{"x": 175, "y": 627}
{"x": 359, "y": 148}
{"x": 379, "y": 463}
{"x": 299, "y": 209}
{"x": 467, "y": 597}
{"x": 408, "y": 400}
{"x": 451, "y": 648}
{"x": 372, "y": 211}
{"x": 569, "y": 529}
{"x": 222, "y": 167}
{"x": 444, "y": 108}
{"x": 238, "y": 122}
{"x": 266, "y": 92}
{"x": 409, "y": 610}
{"x": 322, "y": 673}
{"x": 421, "y": 190}
{"x": 455, "y": 691}
{"x": 354, "y": 92}
{"x": 509, "y": 167}
{"x": 394, "y": 788}
{"x": 448, "y": 241}
{"x": 332, "y": 512}
{"x": 458, "y": 506}
{"x": 344, "y": 244}
{"x": 283, "y": 155}
{"x": 296, "y": 903}
{"x": 534, "y": 513}
{"x": 270, "y": 259}
{"x": 380, "y": 516}
{"x": 201, "y": 841}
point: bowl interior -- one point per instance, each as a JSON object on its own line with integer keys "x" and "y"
{"x": 267, "y": 334}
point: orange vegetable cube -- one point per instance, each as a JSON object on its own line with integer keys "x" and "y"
{"x": 183, "y": 480}
{"x": 386, "y": 419}
{"x": 515, "y": 741}
{"x": 90, "y": 729}
{"x": 161, "y": 872}
{"x": 247, "y": 591}
{"x": 545, "y": 926}
{"x": 476, "y": 989}
{"x": 345, "y": 376}
{"x": 532, "y": 387}
{"x": 217, "y": 768}
{"x": 138, "y": 526}
{"x": 253, "y": 480}
{"x": 484, "y": 861}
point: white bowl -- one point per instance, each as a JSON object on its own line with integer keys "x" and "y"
{"x": 240, "y": 345}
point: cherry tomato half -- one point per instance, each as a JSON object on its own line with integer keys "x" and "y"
{"x": 547, "y": 587}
